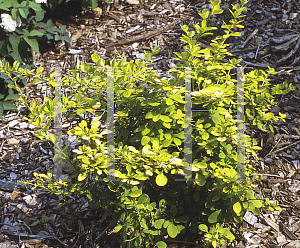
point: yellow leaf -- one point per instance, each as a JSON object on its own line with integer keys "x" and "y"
{"x": 161, "y": 179}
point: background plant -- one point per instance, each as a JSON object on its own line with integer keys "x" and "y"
{"x": 54, "y": 4}
{"x": 25, "y": 24}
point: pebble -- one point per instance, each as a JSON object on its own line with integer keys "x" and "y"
{"x": 24, "y": 140}
{"x": 12, "y": 141}
{"x": 293, "y": 16}
{"x": 13, "y": 176}
{"x": 285, "y": 17}
{"x": 259, "y": 225}
{"x": 133, "y": 1}
{"x": 250, "y": 55}
{"x": 281, "y": 239}
{"x": 43, "y": 150}
{"x": 30, "y": 200}
{"x": 13, "y": 123}
{"x": 268, "y": 160}
{"x": 23, "y": 125}
{"x": 33, "y": 126}
{"x": 288, "y": 116}
{"x": 74, "y": 51}
{"x": 297, "y": 204}
{"x": 135, "y": 45}
{"x": 23, "y": 208}
{"x": 250, "y": 218}
{"x": 275, "y": 110}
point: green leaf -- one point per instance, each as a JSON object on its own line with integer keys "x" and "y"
{"x": 222, "y": 155}
{"x": 172, "y": 230}
{"x": 161, "y": 244}
{"x": 145, "y": 140}
{"x": 35, "y": 223}
{"x": 256, "y": 211}
{"x": 201, "y": 165}
{"x": 213, "y": 218}
{"x": 52, "y": 137}
{"x": 66, "y": 38}
{"x": 9, "y": 106}
{"x": 177, "y": 141}
{"x": 205, "y": 136}
{"x": 166, "y": 143}
{"x": 161, "y": 179}
{"x": 14, "y": 97}
{"x": 35, "y": 6}
{"x": 159, "y": 223}
{"x": 1, "y": 109}
{"x": 24, "y": 12}
{"x": 40, "y": 134}
{"x": 258, "y": 203}
{"x": 94, "y": 4}
{"x": 155, "y": 143}
{"x": 39, "y": 15}
{"x": 127, "y": 93}
{"x": 167, "y": 125}
{"x": 117, "y": 228}
{"x": 268, "y": 116}
{"x": 169, "y": 101}
{"x": 203, "y": 228}
{"x": 34, "y": 33}
{"x": 149, "y": 115}
{"x": 32, "y": 43}
{"x": 14, "y": 43}
{"x": 177, "y": 98}
{"x": 143, "y": 199}
{"x": 156, "y": 117}
{"x": 165, "y": 118}
{"x": 182, "y": 219}
{"x": 95, "y": 124}
{"x": 193, "y": 226}
{"x": 95, "y": 58}
{"x": 237, "y": 207}
{"x": 168, "y": 136}
{"x": 196, "y": 196}
{"x": 135, "y": 192}
{"x": 82, "y": 176}
{"x": 167, "y": 223}
{"x": 200, "y": 180}
{"x": 63, "y": 29}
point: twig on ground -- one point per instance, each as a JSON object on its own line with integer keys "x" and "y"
{"x": 273, "y": 147}
{"x": 103, "y": 232}
{"x": 283, "y": 148}
{"x": 146, "y": 36}
{"x": 249, "y": 38}
{"x": 30, "y": 236}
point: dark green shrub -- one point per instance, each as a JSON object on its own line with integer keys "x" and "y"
{"x": 24, "y": 26}
{"x": 19, "y": 34}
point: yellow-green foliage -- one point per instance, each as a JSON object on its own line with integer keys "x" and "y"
{"x": 146, "y": 199}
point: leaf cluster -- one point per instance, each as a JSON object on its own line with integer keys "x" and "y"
{"x": 139, "y": 190}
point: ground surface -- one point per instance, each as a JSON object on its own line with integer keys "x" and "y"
{"x": 271, "y": 37}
